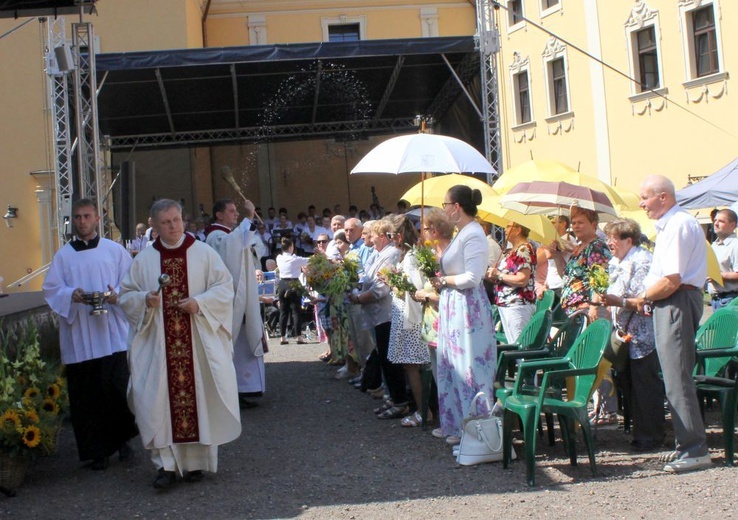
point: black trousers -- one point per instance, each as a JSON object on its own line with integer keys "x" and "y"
{"x": 643, "y": 393}
{"x": 97, "y": 401}
{"x": 394, "y": 375}
{"x": 289, "y": 303}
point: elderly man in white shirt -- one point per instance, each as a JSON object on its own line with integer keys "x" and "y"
{"x": 674, "y": 289}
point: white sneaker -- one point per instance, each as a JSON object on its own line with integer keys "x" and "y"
{"x": 688, "y": 464}
{"x": 343, "y": 373}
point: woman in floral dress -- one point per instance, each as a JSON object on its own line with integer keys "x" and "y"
{"x": 467, "y": 349}
{"x": 514, "y": 279}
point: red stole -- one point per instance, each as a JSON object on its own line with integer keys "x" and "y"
{"x": 178, "y": 344}
{"x": 216, "y": 227}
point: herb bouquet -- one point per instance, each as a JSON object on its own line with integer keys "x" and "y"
{"x": 425, "y": 257}
{"x": 397, "y": 280}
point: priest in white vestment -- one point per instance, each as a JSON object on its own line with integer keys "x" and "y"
{"x": 232, "y": 244}
{"x": 183, "y": 385}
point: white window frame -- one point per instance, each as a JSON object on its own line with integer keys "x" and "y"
{"x": 547, "y": 11}
{"x": 511, "y": 28}
{"x": 327, "y": 22}
{"x": 686, "y": 9}
{"x": 555, "y": 50}
{"x": 519, "y": 66}
{"x": 642, "y": 17}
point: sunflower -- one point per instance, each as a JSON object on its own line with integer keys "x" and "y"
{"x": 49, "y": 405}
{"x": 22, "y": 381}
{"x": 32, "y": 436}
{"x": 10, "y": 420}
{"x": 31, "y": 392}
{"x": 53, "y": 391}
{"x": 32, "y": 415}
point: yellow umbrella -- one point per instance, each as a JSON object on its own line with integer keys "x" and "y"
{"x": 432, "y": 192}
{"x": 553, "y": 171}
{"x": 631, "y": 199}
{"x": 648, "y": 229}
{"x": 490, "y": 211}
{"x": 540, "y": 227}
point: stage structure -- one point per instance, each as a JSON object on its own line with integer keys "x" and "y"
{"x": 72, "y": 97}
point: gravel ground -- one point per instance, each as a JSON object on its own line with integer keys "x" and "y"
{"x": 313, "y": 449}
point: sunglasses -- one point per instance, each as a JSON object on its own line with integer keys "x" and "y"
{"x": 322, "y": 241}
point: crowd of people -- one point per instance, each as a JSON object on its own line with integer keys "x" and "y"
{"x": 185, "y": 309}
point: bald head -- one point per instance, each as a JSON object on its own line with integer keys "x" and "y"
{"x": 657, "y": 196}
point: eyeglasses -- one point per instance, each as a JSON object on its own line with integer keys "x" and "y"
{"x": 322, "y": 241}
{"x": 444, "y": 204}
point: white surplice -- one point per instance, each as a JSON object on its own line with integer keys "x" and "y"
{"x": 92, "y": 337}
{"x": 218, "y": 414}
{"x": 248, "y": 327}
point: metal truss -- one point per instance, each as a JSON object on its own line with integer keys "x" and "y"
{"x": 336, "y": 129}
{"x": 488, "y": 43}
{"x": 58, "y": 101}
{"x": 85, "y": 97}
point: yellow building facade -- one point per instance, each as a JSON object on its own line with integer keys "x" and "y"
{"x": 555, "y": 102}
{"x": 620, "y": 89}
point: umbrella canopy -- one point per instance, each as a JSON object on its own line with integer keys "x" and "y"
{"x": 632, "y": 200}
{"x": 540, "y": 197}
{"x": 540, "y": 227}
{"x": 423, "y": 153}
{"x": 432, "y": 192}
{"x": 553, "y": 171}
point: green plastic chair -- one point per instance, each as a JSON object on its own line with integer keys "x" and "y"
{"x": 499, "y": 330}
{"x": 546, "y": 301}
{"x": 717, "y": 344}
{"x": 580, "y": 363}
{"x": 530, "y": 345}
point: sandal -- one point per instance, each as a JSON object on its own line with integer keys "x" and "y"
{"x": 325, "y": 357}
{"x": 386, "y": 406}
{"x": 604, "y": 420}
{"x": 412, "y": 420}
{"x": 395, "y": 412}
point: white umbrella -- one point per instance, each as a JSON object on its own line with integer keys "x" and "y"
{"x": 423, "y": 153}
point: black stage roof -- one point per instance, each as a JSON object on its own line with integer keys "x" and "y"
{"x": 33, "y": 8}
{"x": 345, "y": 90}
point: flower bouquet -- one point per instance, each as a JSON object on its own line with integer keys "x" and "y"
{"x": 426, "y": 260}
{"x": 332, "y": 277}
{"x": 397, "y": 280}
{"x": 599, "y": 279}
{"x": 32, "y": 398}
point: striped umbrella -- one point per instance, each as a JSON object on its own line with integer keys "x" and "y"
{"x": 541, "y": 197}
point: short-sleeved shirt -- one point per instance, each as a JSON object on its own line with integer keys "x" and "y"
{"x": 726, "y": 251}
{"x": 680, "y": 249}
{"x": 626, "y": 281}
{"x": 523, "y": 257}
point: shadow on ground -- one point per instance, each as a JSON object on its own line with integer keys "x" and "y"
{"x": 313, "y": 442}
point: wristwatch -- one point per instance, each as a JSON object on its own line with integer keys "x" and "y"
{"x": 443, "y": 282}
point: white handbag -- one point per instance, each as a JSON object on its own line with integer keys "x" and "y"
{"x": 481, "y": 436}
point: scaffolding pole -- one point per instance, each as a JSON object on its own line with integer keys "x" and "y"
{"x": 488, "y": 44}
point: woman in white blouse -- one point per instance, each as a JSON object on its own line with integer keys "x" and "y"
{"x": 289, "y": 267}
{"x": 467, "y": 350}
